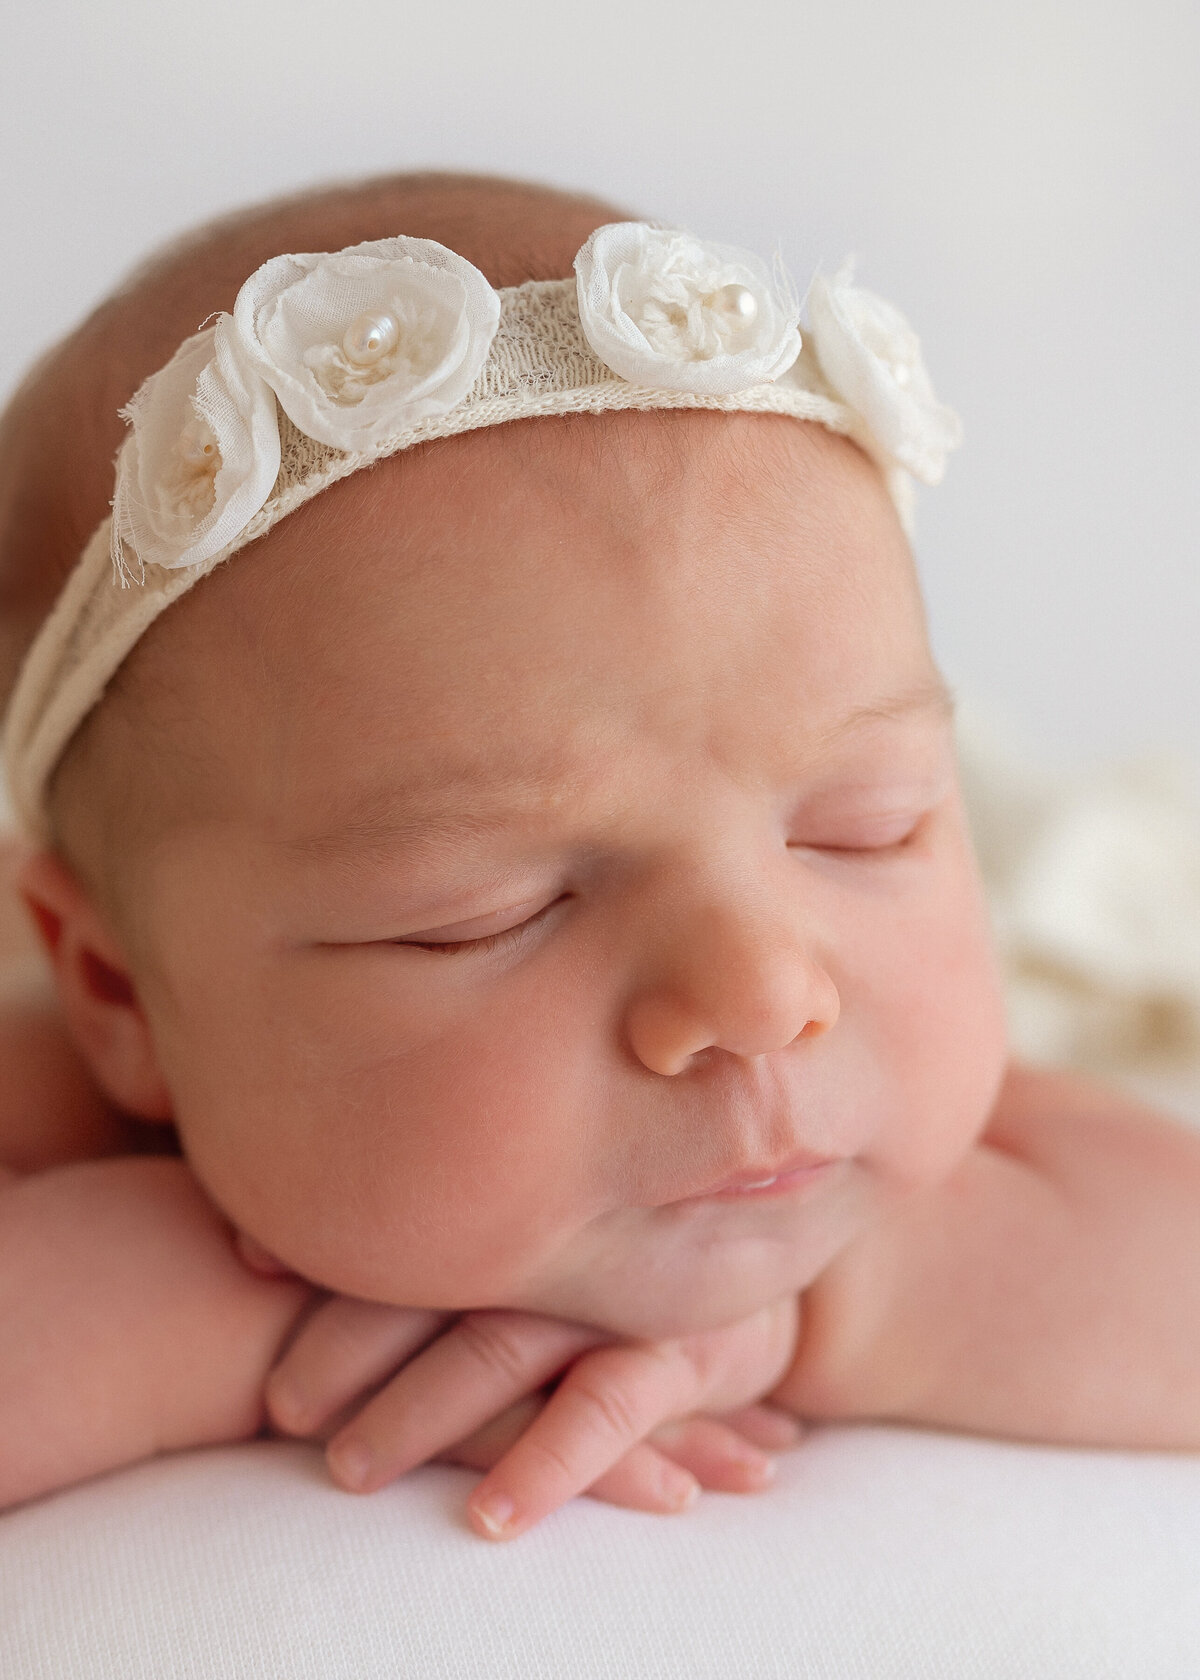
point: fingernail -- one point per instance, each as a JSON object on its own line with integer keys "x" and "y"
{"x": 494, "y": 1513}
{"x": 350, "y": 1462}
{"x": 759, "y": 1469}
{"x": 680, "y": 1489}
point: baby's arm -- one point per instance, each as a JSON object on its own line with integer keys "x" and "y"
{"x": 1050, "y": 1290}
{"x": 128, "y": 1324}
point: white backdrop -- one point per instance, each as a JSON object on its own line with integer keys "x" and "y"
{"x": 1024, "y": 180}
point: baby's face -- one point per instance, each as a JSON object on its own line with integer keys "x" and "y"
{"x": 580, "y": 847}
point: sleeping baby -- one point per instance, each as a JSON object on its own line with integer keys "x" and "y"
{"x": 524, "y": 986}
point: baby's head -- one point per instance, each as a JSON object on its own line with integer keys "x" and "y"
{"x": 530, "y": 843}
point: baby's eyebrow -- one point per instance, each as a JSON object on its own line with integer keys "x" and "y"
{"x": 931, "y": 696}
{"x": 443, "y": 808}
{"x": 454, "y": 802}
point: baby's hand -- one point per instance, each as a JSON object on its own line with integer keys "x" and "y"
{"x": 622, "y": 1423}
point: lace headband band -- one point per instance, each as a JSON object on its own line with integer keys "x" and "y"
{"x": 331, "y": 361}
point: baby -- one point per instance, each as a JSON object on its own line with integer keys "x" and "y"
{"x": 529, "y": 880}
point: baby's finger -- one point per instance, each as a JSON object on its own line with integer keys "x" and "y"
{"x": 717, "y": 1456}
{"x": 474, "y": 1371}
{"x": 705, "y": 1453}
{"x": 344, "y": 1349}
{"x": 711, "y": 1453}
{"x": 488, "y": 1444}
{"x": 644, "y": 1480}
{"x": 607, "y": 1402}
{"x": 647, "y": 1480}
{"x": 768, "y": 1427}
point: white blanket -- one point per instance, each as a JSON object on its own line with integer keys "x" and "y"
{"x": 881, "y": 1555}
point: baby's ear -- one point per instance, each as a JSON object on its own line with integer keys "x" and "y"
{"x": 95, "y": 988}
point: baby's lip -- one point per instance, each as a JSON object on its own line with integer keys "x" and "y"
{"x": 777, "y": 1177}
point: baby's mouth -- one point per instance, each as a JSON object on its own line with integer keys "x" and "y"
{"x": 790, "y": 1175}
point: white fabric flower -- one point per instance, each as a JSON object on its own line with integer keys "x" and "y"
{"x": 872, "y": 359}
{"x": 358, "y": 344}
{"x": 201, "y": 458}
{"x": 673, "y": 313}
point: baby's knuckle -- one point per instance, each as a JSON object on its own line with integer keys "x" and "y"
{"x": 607, "y": 1406}
{"x": 490, "y": 1340}
{"x": 677, "y": 1372}
{"x": 547, "y": 1456}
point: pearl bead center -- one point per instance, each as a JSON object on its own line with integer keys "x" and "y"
{"x": 370, "y": 337}
{"x": 737, "y": 304}
{"x": 198, "y": 447}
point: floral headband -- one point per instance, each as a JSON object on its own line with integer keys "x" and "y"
{"x": 334, "y": 360}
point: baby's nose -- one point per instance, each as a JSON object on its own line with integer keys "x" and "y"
{"x": 738, "y": 982}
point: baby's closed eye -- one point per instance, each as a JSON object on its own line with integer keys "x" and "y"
{"x": 454, "y": 939}
{"x": 873, "y": 830}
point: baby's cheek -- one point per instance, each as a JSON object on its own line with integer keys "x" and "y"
{"x": 442, "y": 1176}
{"x": 950, "y": 1043}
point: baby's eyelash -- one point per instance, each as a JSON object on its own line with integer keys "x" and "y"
{"x": 913, "y": 832}
{"x": 451, "y": 947}
{"x": 486, "y": 942}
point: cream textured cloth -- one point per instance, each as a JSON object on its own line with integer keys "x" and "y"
{"x": 1094, "y": 885}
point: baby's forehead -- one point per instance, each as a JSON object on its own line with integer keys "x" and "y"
{"x": 658, "y": 466}
{"x": 533, "y": 510}
{"x": 538, "y": 548}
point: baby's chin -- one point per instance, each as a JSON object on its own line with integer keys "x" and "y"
{"x": 666, "y": 1313}
{"x": 687, "y": 1293}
